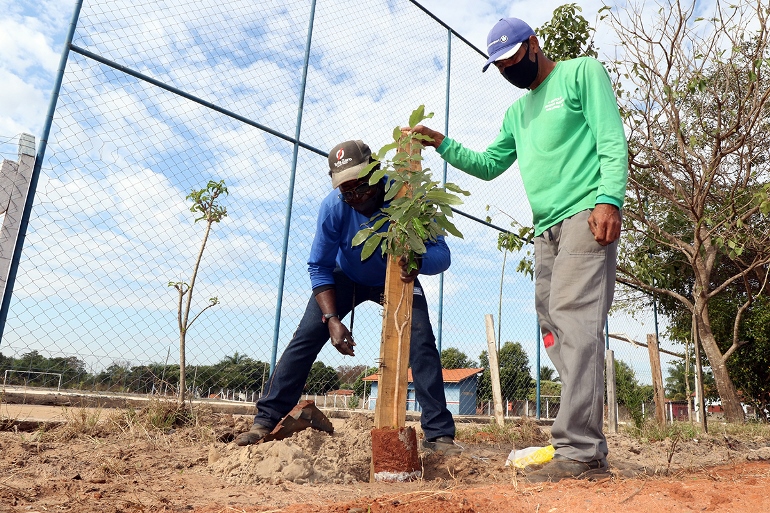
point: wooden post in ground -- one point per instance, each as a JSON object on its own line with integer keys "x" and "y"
{"x": 494, "y": 370}
{"x": 657, "y": 380}
{"x": 612, "y": 401}
{"x": 391, "y": 461}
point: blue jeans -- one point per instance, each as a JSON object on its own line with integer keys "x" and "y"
{"x": 284, "y": 388}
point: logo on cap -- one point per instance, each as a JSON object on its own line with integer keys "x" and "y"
{"x": 340, "y": 154}
{"x": 503, "y": 38}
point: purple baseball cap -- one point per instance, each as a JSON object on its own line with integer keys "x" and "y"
{"x": 505, "y": 38}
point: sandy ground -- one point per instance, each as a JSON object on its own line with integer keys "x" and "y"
{"x": 114, "y": 461}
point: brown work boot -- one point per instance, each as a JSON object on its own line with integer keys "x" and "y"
{"x": 253, "y": 435}
{"x": 564, "y": 468}
{"x": 444, "y": 445}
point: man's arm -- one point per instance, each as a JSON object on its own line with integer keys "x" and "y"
{"x": 486, "y": 165}
{"x": 601, "y": 112}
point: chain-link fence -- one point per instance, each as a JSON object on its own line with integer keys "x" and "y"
{"x": 158, "y": 99}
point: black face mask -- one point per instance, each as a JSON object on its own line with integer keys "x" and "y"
{"x": 523, "y": 73}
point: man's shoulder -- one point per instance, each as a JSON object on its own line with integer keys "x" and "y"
{"x": 581, "y": 64}
{"x": 331, "y": 206}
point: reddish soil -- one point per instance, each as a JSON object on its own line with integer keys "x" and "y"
{"x": 121, "y": 465}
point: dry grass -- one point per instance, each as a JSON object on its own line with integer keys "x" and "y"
{"x": 152, "y": 422}
{"x": 652, "y": 432}
{"x": 517, "y": 433}
{"x": 160, "y": 418}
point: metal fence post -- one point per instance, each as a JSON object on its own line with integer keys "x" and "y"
{"x": 443, "y": 180}
{"x": 290, "y": 199}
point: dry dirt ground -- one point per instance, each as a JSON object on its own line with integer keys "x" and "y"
{"x": 130, "y": 461}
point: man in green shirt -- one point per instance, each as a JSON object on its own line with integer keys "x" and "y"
{"x": 568, "y": 138}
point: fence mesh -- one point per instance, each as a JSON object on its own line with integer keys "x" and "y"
{"x": 110, "y": 225}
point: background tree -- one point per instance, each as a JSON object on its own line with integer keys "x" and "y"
{"x": 547, "y": 389}
{"x": 515, "y": 381}
{"x": 695, "y": 101}
{"x": 453, "y": 358}
{"x": 235, "y": 372}
{"x": 70, "y": 368}
{"x": 361, "y": 387}
{"x": 568, "y": 34}
{"x": 207, "y": 209}
{"x": 630, "y": 393}
{"x": 548, "y": 374}
{"x": 348, "y": 374}
{"x": 749, "y": 365}
{"x": 321, "y": 379}
{"x": 677, "y": 386}
{"x": 115, "y": 377}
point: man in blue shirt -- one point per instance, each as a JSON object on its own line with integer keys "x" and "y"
{"x": 340, "y": 281}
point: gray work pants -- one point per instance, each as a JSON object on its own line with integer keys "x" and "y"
{"x": 574, "y": 285}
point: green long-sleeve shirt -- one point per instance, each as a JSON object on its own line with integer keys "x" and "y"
{"x": 569, "y": 141}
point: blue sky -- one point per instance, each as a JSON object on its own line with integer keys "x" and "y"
{"x": 123, "y": 229}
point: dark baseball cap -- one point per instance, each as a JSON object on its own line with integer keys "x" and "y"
{"x": 505, "y": 38}
{"x": 346, "y": 160}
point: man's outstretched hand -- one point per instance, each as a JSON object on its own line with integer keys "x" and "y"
{"x": 437, "y": 137}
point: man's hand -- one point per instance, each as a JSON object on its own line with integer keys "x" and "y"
{"x": 342, "y": 339}
{"x": 407, "y": 277}
{"x": 437, "y": 137}
{"x": 604, "y": 223}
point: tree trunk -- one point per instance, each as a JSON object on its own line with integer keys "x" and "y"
{"x": 727, "y": 392}
{"x": 182, "y": 377}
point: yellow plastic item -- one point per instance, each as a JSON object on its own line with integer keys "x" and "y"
{"x": 530, "y": 456}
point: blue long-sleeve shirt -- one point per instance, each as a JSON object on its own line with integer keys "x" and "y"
{"x": 336, "y": 226}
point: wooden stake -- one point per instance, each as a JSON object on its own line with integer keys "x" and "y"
{"x": 494, "y": 370}
{"x": 390, "y": 409}
{"x": 657, "y": 380}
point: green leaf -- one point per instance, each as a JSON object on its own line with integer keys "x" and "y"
{"x": 397, "y": 133}
{"x": 417, "y": 116}
{"x": 370, "y": 246}
{"x": 368, "y": 169}
{"x": 392, "y": 192}
{"x": 417, "y": 224}
{"x": 446, "y": 198}
{"x": 416, "y": 244}
{"x": 377, "y": 176}
{"x": 455, "y": 188}
{"x": 401, "y": 156}
{"x": 361, "y": 236}
{"x": 378, "y": 224}
{"x": 447, "y": 225}
{"x": 380, "y": 155}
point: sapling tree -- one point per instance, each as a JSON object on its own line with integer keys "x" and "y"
{"x": 413, "y": 219}
{"x": 206, "y": 209}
